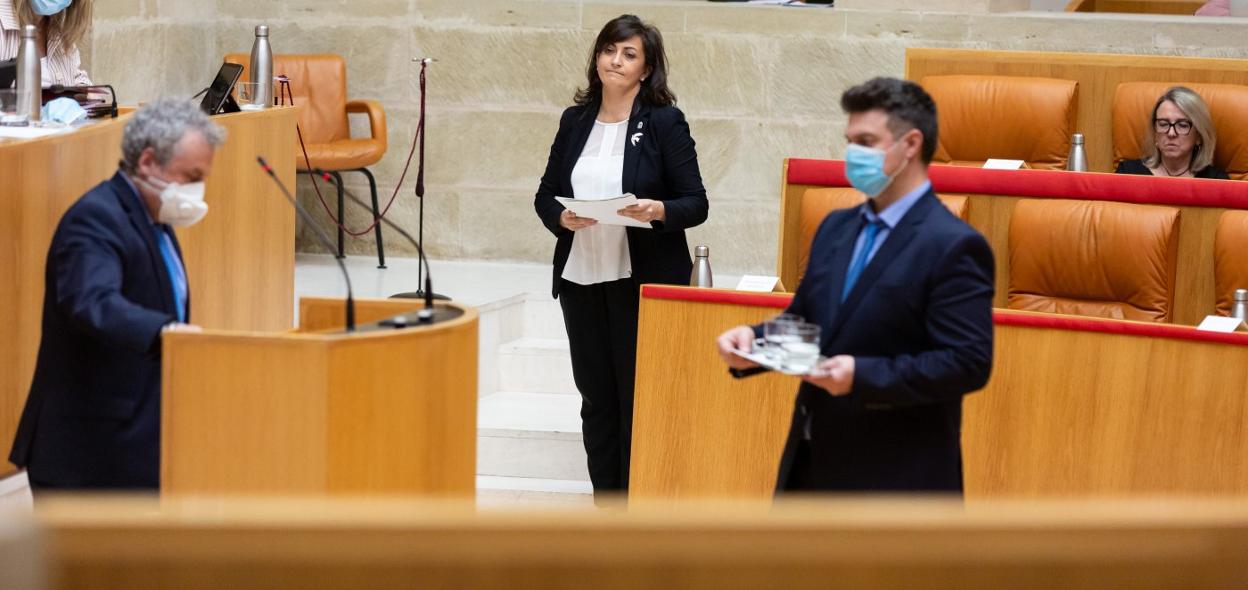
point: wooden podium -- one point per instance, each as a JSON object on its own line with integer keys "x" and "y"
{"x": 321, "y": 411}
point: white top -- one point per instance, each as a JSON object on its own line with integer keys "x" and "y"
{"x": 62, "y": 65}
{"x": 600, "y": 252}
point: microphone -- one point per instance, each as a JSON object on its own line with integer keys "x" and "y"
{"x": 320, "y": 236}
{"x": 425, "y": 315}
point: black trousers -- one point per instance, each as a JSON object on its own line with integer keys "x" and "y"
{"x": 601, "y": 321}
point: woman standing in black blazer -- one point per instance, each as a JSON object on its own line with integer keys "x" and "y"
{"x": 624, "y": 135}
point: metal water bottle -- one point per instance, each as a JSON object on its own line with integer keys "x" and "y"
{"x": 29, "y": 74}
{"x": 701, "y": 276}
{"x": 262, "y": 66}
{"x": 1078, "y": 160}
{"x": 1239, "y": 307}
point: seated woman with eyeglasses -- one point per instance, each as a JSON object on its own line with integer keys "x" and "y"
{"x": 1180, "y": 141}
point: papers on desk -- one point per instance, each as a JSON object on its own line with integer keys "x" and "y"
{"x": 604, "y": 211}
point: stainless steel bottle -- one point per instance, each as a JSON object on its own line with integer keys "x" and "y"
{"x": 701, "y": 276}
{"x": 1239, "y": 307}
{"x": 29, "y": 74}
{"x": 262, "y": 66}
{"x": 1078, "y": 160}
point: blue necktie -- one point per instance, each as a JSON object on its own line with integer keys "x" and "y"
{"x": 175, "y": 273}
{"x": 860, "y": 261}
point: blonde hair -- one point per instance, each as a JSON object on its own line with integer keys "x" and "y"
{"x": 1197, "y": 111}
{"x": 71, "y": 24}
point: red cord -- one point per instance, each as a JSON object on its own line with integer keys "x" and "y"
{"x": 308, "y": 166}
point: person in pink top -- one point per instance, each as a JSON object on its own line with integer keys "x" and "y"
{"x": 62, "y": 24}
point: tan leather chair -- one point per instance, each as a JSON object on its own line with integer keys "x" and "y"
{"x": 817, "y": 203}
{"x": 1230, "y": 259}
{"x": 1228, "y": 104}
{"x": 1009, "y": 117}
{"x": 318, "y": 84}
{"x": 1093, "y": 258}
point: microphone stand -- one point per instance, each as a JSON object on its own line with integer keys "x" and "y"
{"x": 320, "y": 236}
{"x": 425, "y": 315}
{"x": 420, "y": 194}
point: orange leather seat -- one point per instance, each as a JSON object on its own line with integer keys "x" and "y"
{"x": 817, "y": 203}
{"x": 1230, "y": 259}
{"x": 1093, "y": 258}
{"x": 1009, "y": 117}
{"x": 318, "y": 87}
{"x": 1228, "y": 104}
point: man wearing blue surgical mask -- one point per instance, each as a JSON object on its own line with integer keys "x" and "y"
{"x": 115, "y": 282}
{"x": 61, "y": 24}
{"x": 902, "y": 290}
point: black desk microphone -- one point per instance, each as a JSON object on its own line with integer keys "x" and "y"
{"x": 320, "y": 236}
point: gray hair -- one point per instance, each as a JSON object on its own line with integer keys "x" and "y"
{"x": 1197, "y": 111}
{"x": 160, "y": 125}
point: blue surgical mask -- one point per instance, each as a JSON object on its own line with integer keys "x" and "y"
{"x": 864, "y": 167}
{"x": 64, "y": 110}
{"x": 49, "y": 7}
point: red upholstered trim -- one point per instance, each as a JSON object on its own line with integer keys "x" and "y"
{"x": 776, "y": 300}
{"x": 1000, "y": 317}
{"x": 1053, "y": 184}
{"x": 1005, "y": 317}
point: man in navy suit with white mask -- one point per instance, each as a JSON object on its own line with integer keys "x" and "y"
{"x": 114, "y": 282}
{"x": 902, "y": 290}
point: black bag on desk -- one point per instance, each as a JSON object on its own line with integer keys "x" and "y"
{"x": 99, "y": 101}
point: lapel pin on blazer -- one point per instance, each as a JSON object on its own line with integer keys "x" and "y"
{"x": 636, "y": 137}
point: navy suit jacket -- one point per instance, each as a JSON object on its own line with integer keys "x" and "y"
{"x": 919, "y": 325}
{"x": 660, "y": 163}
{"x": 92, "y": 419}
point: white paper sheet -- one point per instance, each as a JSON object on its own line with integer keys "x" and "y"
{"x": 604, "y": 211}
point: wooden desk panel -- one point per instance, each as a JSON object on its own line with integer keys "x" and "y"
{"x": 871, "y": 544}
{"x": 1068, "y": 411}
{"x": 383, "y": 412}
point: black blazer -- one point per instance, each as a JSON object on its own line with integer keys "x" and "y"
{"x": 92, "y": 419}
{"x": 660, "y": 163}
{"x": 1138, "y": 167}
{"x": 919, "y": 325}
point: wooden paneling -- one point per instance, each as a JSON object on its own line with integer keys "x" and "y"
{"x": 208, "y": 544}
{"x": 300, "y": 413}
{"x": 239, "y": 259}
{"x": 696, "y": 430}
{"x": 1098, "y": 76}
{"x": 1070, "y": 413}
{"x": 1066, "y": 412}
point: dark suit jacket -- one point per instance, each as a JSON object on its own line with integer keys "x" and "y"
{"x": 92, "y": 419}
{"x": 660, "y": 163}
{"x": 919, "y": 325}
{"x": 1138, "y": 167}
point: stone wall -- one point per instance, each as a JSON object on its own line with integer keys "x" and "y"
{"x": 758, "y": 83}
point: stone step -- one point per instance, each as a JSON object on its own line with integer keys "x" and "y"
{"x": 543, "y": 318}
{"x": 536, "y": 365}
{"x": 530, "y": 435}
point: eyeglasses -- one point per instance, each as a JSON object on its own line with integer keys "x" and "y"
{"x": 1180, "y": 127}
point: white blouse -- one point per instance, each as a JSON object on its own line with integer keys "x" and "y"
{"x": 600, "y": 252}
{"x": 62, "y": 65}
